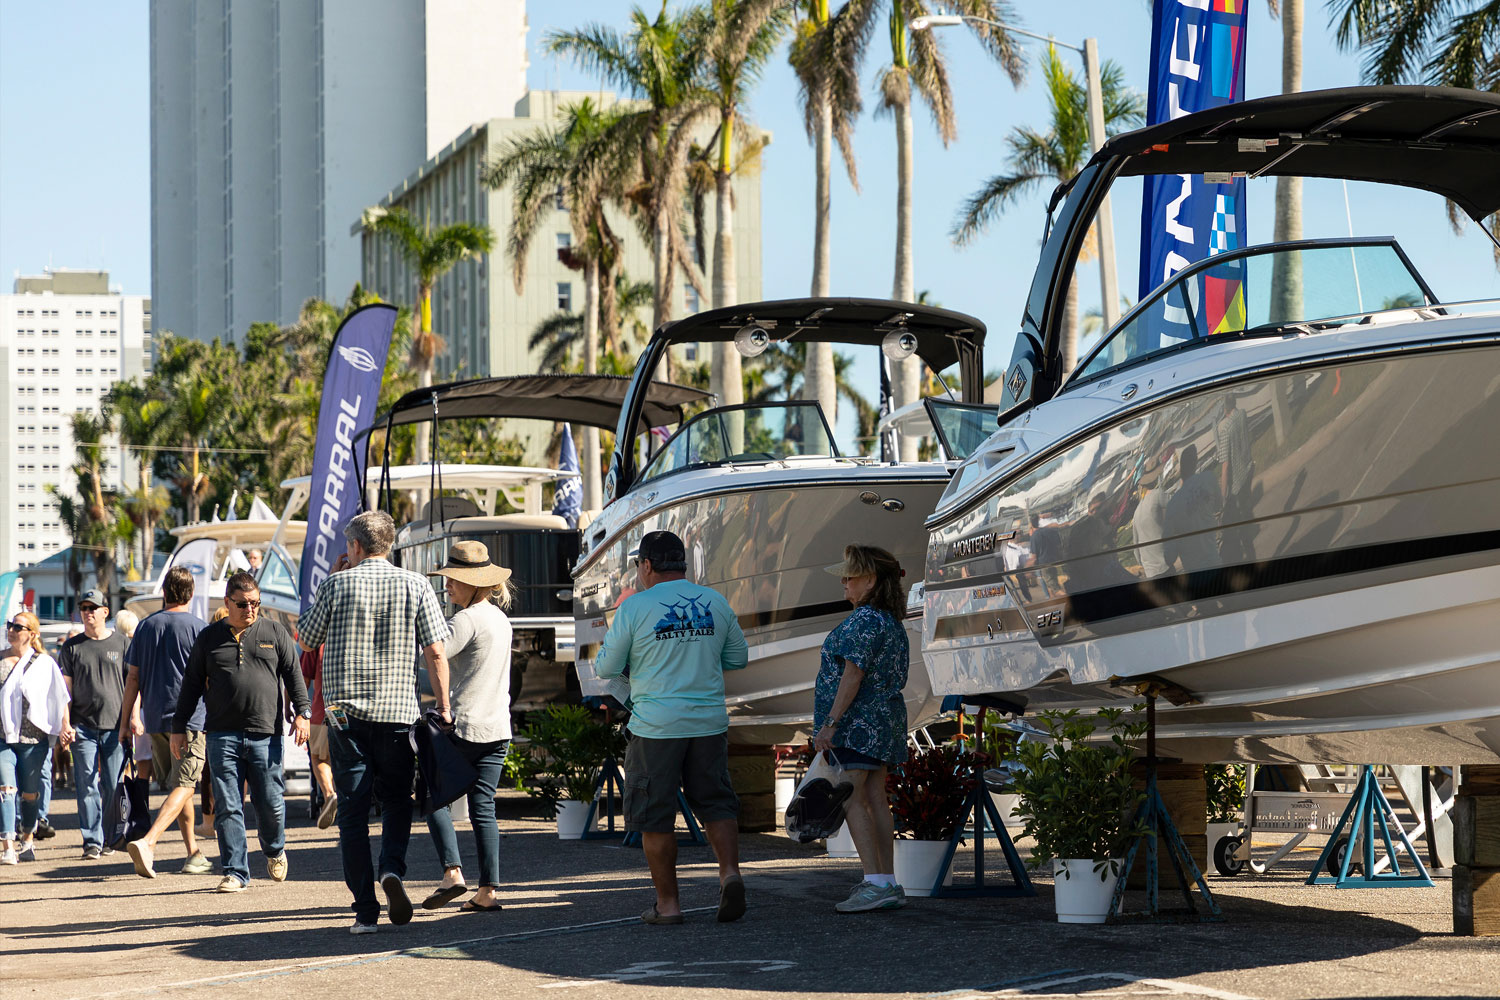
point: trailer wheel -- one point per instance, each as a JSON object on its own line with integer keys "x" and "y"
{"x": 1224, "y": 857}
{"x": 1336, "y": 858}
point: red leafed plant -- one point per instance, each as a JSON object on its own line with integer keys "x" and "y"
{"x": 928, "y": 791}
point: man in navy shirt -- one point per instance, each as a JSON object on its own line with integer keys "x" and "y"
{"x": 156, "y": 660}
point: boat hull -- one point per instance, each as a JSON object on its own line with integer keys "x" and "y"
{"x": 765, "y": 545}
{"x": 1320, "y": 575}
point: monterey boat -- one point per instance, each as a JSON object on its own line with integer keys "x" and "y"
{"x": 764, "y": 500}
{"x": 1282, "y": 508}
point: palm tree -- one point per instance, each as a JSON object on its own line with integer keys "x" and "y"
{"x": 190, "y": 417}
{"x": 1051, "y": 157}
{"x": 736, "y": 39}
{"x": 1286, "y": 269}
{"x": 147, "y": 504}
{"x": 431, "y": 255}
{"x": 560, "y": 335}
{"x": 658, "y": 63}
{"x": 826, "y": 54}
{"x": 917, "y": 62}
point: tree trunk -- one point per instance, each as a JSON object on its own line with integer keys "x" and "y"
{"x": 592, "y": 495}
{"x": 819, "y": 378}
{"x": 420, "y": 450}
{"x": 1070, "y": 328}
{"x": 904, "y": 374}
{"x": 726, "y": 380}
{"x": 662, "y": 277}
{"x": 1286, "y": 269}
{"x": 190, "y": 501}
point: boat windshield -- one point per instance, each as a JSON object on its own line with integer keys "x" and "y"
{"x": 1264, "y": 291}
{"x": 961, "y": 427}
{"x": 763, "y": 432}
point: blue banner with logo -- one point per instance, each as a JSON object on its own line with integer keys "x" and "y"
{"x": 1197, "y": 63}
{"x": 351, "y": 388}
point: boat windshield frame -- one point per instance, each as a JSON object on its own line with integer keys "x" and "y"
{"x": 646, "y": 476}
{"x": 1187, "y": 274}
{"x": 932, "y": 404}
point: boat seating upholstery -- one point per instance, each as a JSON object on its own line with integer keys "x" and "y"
{"x": 586, "y": 517}
{"x": 506, "y": 522}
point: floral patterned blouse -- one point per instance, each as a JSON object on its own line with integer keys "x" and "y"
{"x": 875, "y": 723}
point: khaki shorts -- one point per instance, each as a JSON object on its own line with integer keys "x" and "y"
{"x": 181, "y": 773}
{"x": 317, "y": 742}
{"x": 655, "y": 769}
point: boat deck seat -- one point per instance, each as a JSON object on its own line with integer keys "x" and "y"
{"x": 506, "y": 522}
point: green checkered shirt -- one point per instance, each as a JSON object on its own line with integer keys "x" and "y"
{"x": 373, "y": 620}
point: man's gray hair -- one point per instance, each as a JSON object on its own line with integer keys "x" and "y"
{"x": 373, "y": 530}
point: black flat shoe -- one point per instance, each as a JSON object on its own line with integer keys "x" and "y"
{"x": 473, "y": 907}
{"x": 443, "y": 897}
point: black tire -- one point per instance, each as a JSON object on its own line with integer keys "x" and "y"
{"x": 1224, "y": 857}
{"x": 1336, "y": 858}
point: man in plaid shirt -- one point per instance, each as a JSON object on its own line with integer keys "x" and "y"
{"x": 370, "y": 618}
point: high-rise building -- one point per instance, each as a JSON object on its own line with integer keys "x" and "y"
{"x": 65, "y": 338}
{"x": 274, "y": 122}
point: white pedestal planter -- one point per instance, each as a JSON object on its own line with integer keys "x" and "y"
{"x": 570, "y": 817}
{"x": 785, "y": 789}
{"x": 917, "y": 863}
{"x": 841, "y": 845}
{"x": 1081, "y": 897}
{"x": 458, "y": 809}
{"x": 1217, "y": 831}
{"x": 1004, "y": 803}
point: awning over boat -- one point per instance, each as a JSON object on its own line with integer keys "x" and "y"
{"x": 581, "y": 399}
{"x": 1439, "y": 139}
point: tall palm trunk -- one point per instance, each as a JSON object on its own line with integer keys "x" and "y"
{"x": 904, "y": 374}
{"x": 420, "y": 451}
{"x": 1070, "y": 328}
{"x": 1286, "y": 270}
{"x": 662, "y": 274}
{"x": 726, "y": 380}
{"x": 592, "y": 497}
{"x": 819, "y": 380}
{"x": 190, "y": 500}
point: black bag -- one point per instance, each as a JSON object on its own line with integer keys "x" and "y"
{"x": 443, "y": 772}
{"x": 817, "y": 810}
{"x": 127, "y": 814}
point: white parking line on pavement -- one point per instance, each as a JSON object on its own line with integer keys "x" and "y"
{"x": 1111, "y": 984}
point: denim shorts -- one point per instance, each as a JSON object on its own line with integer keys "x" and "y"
{"x": 853, "y": 760}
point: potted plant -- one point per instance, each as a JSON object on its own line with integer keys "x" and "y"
{"x": 567, "y": 746}
{"x": 927, "y": 794}
{"x": 1226, "y": 804}
{"x": 1079, "y": 805}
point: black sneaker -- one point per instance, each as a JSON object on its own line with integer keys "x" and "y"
{"x": 92, "y": 853}
{"x": 44, "y": 830}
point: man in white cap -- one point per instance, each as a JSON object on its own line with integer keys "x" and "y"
{"x": 93, "y": 667}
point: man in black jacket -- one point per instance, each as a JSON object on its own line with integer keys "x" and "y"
{"x": 238, "y": 666}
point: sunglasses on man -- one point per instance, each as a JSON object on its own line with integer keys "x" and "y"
{"x": 88, "y": 609}
{"x": 242, "y": 605}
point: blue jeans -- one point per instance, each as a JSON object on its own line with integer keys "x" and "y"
{"x": 372, "y": 759}
{"x": 21, "y": 768}
{"x": 488, "y": 759}
{"x": 236, "y": 757}
{"x": 44, "y": 803}
{"x": 97, "y": 759}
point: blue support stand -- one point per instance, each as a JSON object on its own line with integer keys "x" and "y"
{"x": 1371, "y": 812}
{"x": 981, "y": 806}
{"x": 612, "y": 782}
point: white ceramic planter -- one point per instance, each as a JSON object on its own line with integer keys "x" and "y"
{"x": 1080, "y": 896}
{"x": 1004, "y": 804}
{"x": 785, "y": 789}
{"x": 917, "y": 863}
{"x": 1218, "y": 831}
{"x": 841, "y": 845}
{"x": 458, "y": 809}
{"x": 570, "y": 817}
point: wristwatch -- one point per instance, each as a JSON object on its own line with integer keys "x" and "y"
{"x": 306, "y": 713}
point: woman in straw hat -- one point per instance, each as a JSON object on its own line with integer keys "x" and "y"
{"x": 860, "y": 716}
{"x": 479, "y": 691}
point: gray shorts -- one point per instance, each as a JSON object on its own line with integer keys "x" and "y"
{"x": 656, "y": 769}
{"x": 183, "y": 772}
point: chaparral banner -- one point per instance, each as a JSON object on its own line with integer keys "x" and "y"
{"x": 351, "y": 387}
{"x": 1197, "y": 63}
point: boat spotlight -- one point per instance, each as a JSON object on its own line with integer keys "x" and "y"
{"x": 899, "y": 344}
{"x": 752, "y": 340}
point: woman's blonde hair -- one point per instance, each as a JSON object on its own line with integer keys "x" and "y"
{"x": 126, "y": 621}
{"x": 34, "y": 625}
{"x": 500, "y": 596}
{"x": 888, "y": 594}
{"x": 220, "y": 612}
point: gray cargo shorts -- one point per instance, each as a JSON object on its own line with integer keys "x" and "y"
{"x": 655, "y": 769}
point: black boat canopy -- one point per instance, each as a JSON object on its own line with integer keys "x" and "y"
{"x": 581, "y": 399}
{"x": 1440, "y": 139}
{"x": 944, "y": 337}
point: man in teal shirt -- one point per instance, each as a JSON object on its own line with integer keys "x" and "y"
{"x": 674, "y": 640}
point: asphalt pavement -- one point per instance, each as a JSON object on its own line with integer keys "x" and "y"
{"x": 570, "y": 928}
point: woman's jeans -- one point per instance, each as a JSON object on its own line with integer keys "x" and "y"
{"x": 256, "y": 759}
{"x": 21, "y": 768}
{"x": 489, "y": 760}
{"x": 97, "y": 759}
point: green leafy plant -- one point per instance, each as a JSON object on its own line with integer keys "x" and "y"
{"x": 1076, "y": 792}
{"x": 1226, "y": 792}
{"x": 928, "y": 791}
{"x": 566, "y": 746}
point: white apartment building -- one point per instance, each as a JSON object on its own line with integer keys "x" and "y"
{"x": 275, "y": 122}
{"x": 65, "y": 338}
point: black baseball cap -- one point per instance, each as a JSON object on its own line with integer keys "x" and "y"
{"x": 665, "y": 551}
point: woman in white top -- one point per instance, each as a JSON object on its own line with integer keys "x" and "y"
{"x": 479, "y": 693}
{"x": 33, "y": 709}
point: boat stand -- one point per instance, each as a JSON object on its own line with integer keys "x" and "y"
{"x": 1371, "y": 811}
{"x": 1153, "y": 813}
{"x": 612, "y": 782}
{"x": 980, "y": 805}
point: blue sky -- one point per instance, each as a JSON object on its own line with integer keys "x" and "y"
{"x": 75, "y": 139}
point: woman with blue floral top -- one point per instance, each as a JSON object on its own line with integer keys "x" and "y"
{"x": 860, "y": 715}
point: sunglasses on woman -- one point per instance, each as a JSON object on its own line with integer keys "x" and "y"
{"x": 15, "y": 627}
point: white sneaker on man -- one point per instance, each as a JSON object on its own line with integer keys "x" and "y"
{"x": 230, "y": 884}
{"x": 8, "y": 856}
{"x": 276, "y": 867}
{"x": 143, "y": 857}
{"x": 359, "y": 928}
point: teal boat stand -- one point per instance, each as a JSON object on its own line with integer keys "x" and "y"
{"x": 1371, "y": 811}
{"x": 610, "y": 783}
{"x": 1153, "y": 813}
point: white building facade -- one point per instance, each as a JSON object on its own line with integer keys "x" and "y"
{"x": 274, "y": 122}
{"x": 65, "y": 338}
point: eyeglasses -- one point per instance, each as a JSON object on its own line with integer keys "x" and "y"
{"x": 89, "y": 609}
{"x": 15, "y": 627}
{"x": 242, "y": 605}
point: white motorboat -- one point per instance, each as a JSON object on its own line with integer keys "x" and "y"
{"x": 1289, "y": 517}
{"x": 764, "y": 501}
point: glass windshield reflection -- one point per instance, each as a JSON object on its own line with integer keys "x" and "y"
{"x": 767, "y": 432}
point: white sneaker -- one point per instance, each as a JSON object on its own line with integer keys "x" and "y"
{"x": 329, "y": 813}
{"x": 276, "y": 867}
{"x": 359, "y": 928}
{"x": 8, "y": 856}
{"x": 143, "y": 857}
{"x": 230, "y": 884}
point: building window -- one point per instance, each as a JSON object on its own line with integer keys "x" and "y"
{"x": 564, "y": 296}
{"x": 558, "y": 200}
{"x": 564, "y": 241}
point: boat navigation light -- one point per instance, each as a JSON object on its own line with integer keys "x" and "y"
{"x": 752, "y": 340}
{"x": 899, "y": 344}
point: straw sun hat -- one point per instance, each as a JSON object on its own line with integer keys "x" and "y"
{"x": 469, "y": 562}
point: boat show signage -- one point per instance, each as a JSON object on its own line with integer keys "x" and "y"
{"x": 351, "y": 388}
{"x": 1197, "y": 63}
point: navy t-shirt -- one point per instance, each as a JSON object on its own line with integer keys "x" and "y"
{"x": 160, "y": 651}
